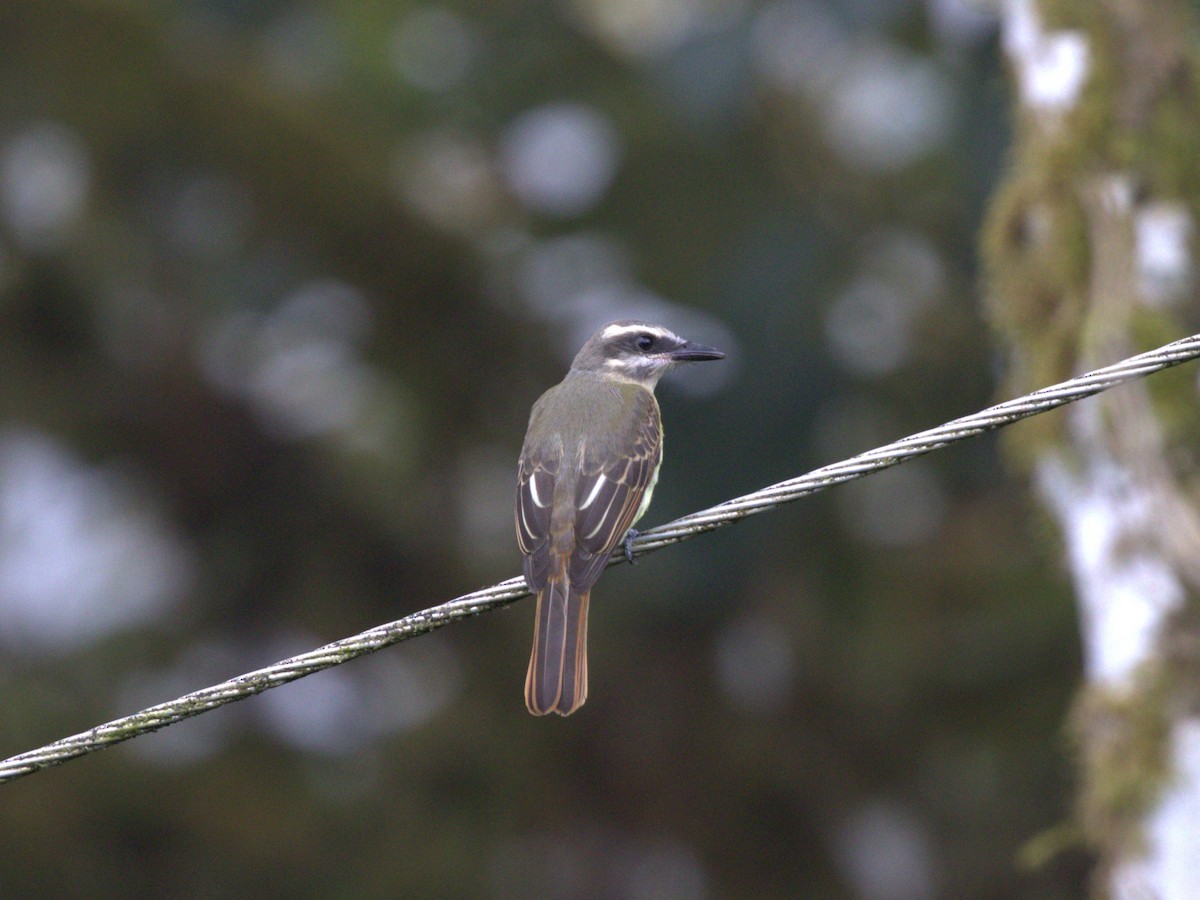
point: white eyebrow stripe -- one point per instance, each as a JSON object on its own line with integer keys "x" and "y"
{"x": 533, "y": 492}
{"x": 613, "y": 331}
{"x": 595, "y": 492}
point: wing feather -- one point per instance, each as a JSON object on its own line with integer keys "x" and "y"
{"x": 616, "y": 466}
{"x": 627, "y": 463}
{"x": 536, "y": 473}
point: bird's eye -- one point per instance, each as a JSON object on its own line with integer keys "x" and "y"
{"x": 645, "y": 342}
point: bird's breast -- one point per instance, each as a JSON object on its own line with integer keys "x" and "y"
{"x": 648, "y": 496}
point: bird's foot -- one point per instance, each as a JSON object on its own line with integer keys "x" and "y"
{"x": 628, "y": 545}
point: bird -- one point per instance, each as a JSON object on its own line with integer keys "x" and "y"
{"x": 586, "y": 474}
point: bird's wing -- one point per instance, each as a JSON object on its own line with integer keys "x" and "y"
{"x": 613, "y": 478}
{"x": 536, "y": 472}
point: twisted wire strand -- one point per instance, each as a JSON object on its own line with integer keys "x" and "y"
{"x": 505, "y": 592}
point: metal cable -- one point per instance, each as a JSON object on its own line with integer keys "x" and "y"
{"x": 243, "y": 686}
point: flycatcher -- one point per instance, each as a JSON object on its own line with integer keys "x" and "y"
{"x": 586, "y": 475}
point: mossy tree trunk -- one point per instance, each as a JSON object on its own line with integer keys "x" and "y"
{"x": 1089, "y": 252}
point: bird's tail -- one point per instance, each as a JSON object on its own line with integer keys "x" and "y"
{"x": 557, "y": 679}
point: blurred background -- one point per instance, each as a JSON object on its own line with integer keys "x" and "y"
{"x": 279, "y": 283}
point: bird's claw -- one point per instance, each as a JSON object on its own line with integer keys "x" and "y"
{"x": 628, "y": 545}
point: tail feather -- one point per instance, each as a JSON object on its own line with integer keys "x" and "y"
{"x": 557, "y": 678}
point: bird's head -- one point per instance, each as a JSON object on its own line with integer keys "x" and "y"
{"x": 638, "y": 352}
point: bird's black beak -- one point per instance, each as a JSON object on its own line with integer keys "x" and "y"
{"x": 691, "y": 352}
